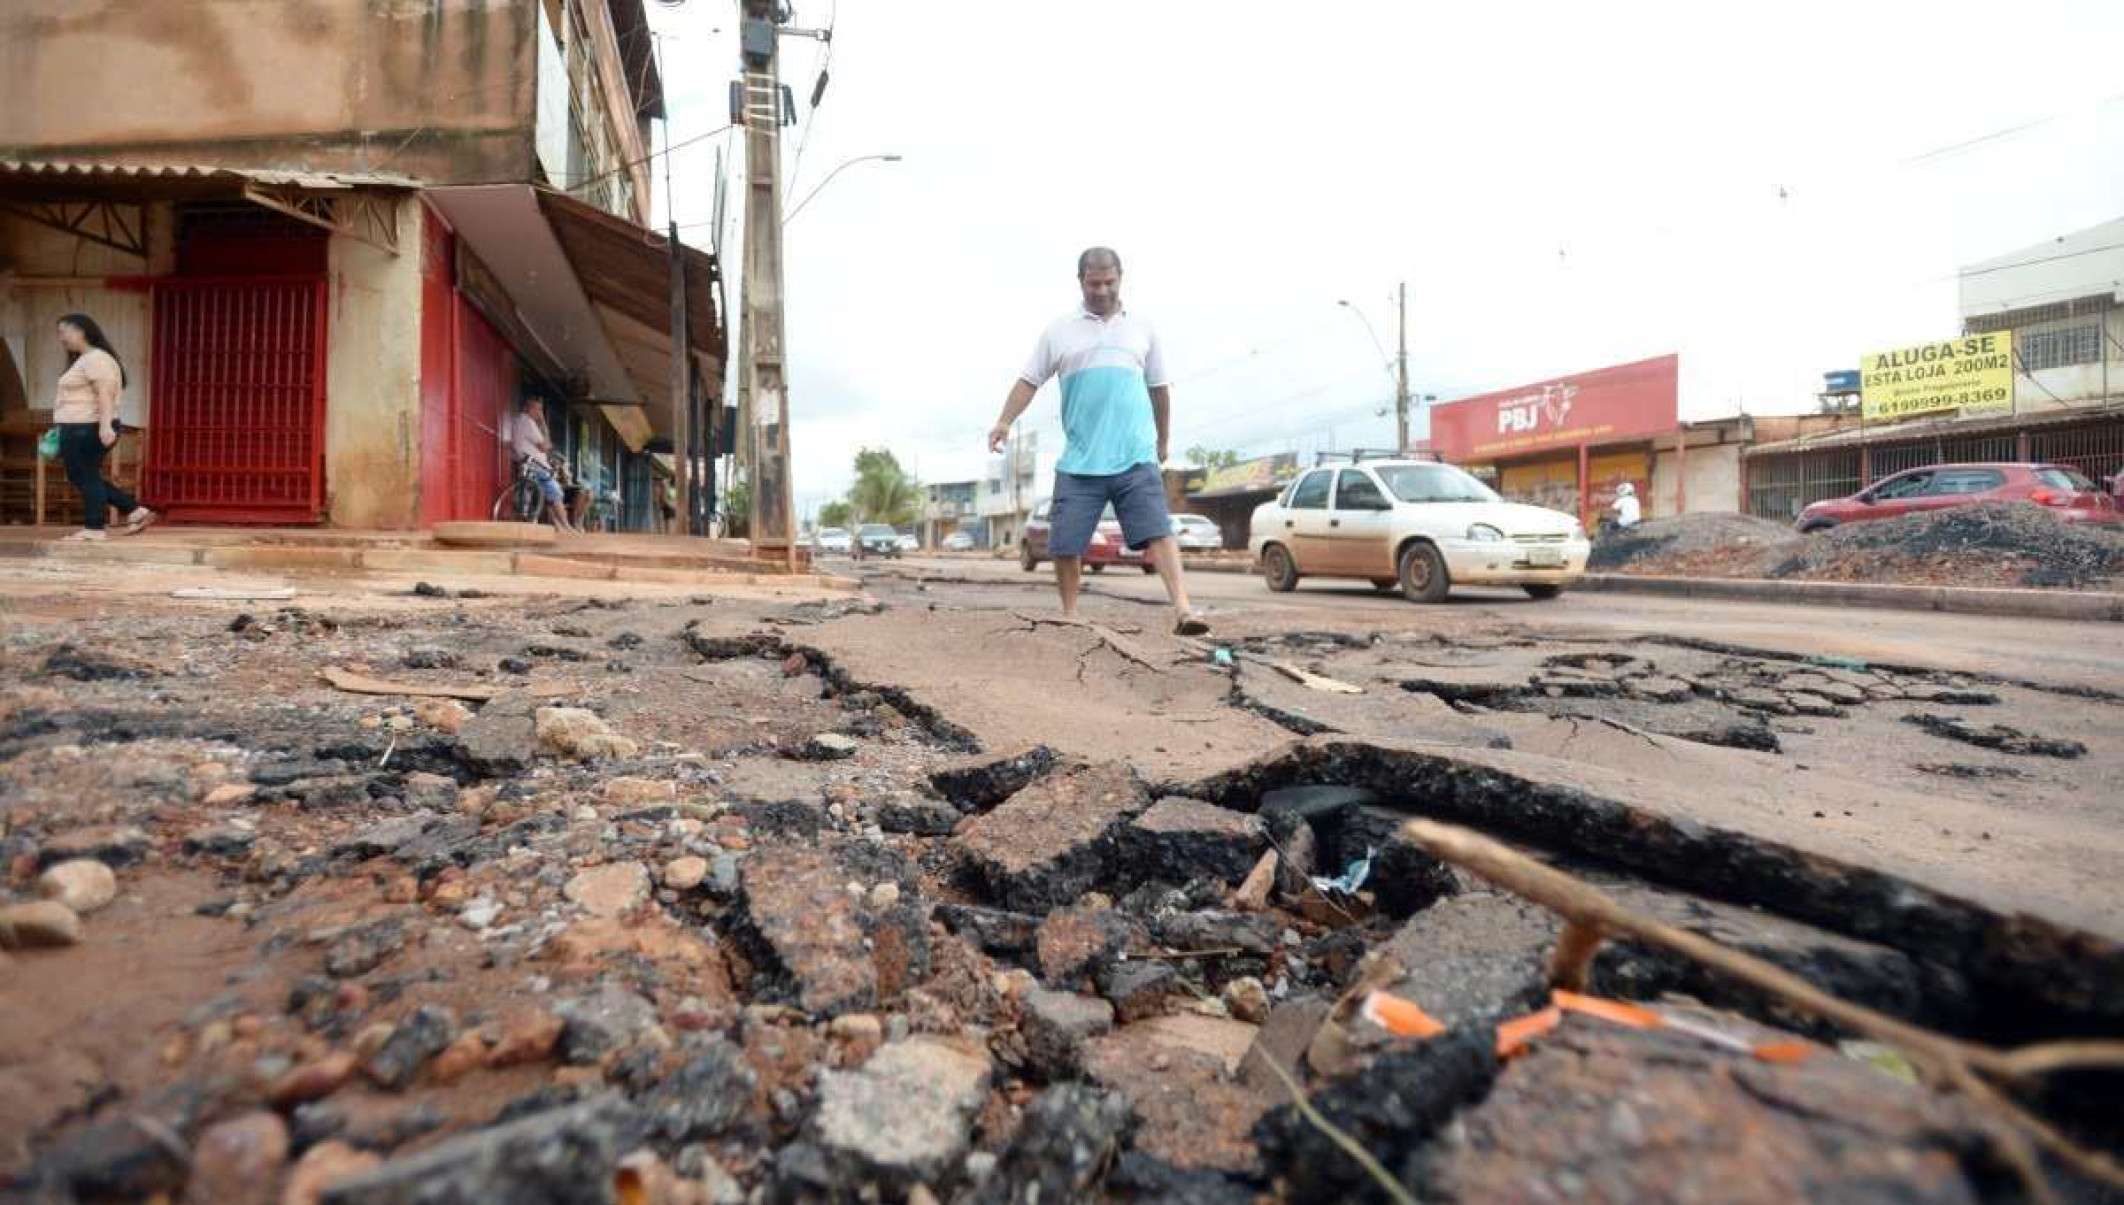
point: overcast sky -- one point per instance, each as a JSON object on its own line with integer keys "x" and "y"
{"x": 1563, "y": 186}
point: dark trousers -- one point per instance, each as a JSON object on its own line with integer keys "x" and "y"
{"x": 81, "y": 450}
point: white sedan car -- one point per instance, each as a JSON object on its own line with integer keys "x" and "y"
{"x": 1416, "y": 526}
{"x": 1197, "y": 533}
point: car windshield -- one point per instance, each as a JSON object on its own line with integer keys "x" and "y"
{"x": 833, "y": 533}
{"x": 2063, "y": 479}
{"x": 878, "y": 531}
{"x": 1434, "y": 483}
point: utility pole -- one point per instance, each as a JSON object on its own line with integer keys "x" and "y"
{"x": 763, "y": 373}
{"x": 681, "y": 352}
{"x": 1401, "y": 378}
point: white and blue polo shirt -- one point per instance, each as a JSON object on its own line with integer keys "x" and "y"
{"x": 1108, "y": 367}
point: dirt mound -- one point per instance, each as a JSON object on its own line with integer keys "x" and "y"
{"x": 1994, "y": 544}
{"x": 1661, "y": 541}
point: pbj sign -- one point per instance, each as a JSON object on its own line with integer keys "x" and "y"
{"x": 1972, "y": 374}
{"x": 1607, "y": 405}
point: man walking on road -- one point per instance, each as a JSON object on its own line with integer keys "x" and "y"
{"x": 1116, "y": 422}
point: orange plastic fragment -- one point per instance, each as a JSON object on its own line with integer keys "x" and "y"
{"x": 1783, "y": 1052}
{"x": 1514, "y": 1035}
{"x": 1608, "y": 1010}
{"x": 1402, "y": 1018}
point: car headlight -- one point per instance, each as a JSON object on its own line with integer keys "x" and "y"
{"x": 1483, "y": 533}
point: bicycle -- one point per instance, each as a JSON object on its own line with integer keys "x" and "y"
{"x": 520, "y": 501}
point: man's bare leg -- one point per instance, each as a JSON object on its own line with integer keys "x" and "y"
{"x": 1164, "y": 553}
{"x": 1069, "y": 573}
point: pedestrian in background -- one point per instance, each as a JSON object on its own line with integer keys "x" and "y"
{"x": 85, "y": 412}
{"x": 533, "y": 450}
{"x": 1627, "y": 509}
{"x": 1116, "y": 424}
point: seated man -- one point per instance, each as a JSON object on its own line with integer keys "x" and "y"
{"x": 533, "y": 449}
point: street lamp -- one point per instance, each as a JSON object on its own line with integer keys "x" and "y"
{"x": 844, "y": 166}
{"x": 1384, "y": 359}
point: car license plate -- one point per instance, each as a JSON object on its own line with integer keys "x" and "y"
{"x": 1547, "y": 558}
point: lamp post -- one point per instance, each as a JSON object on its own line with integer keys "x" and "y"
{"x": 842, "y": 167}
{"x": 1400, "y": 374}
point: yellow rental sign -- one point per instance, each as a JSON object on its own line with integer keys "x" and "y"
{"x": 1973, "y": 374}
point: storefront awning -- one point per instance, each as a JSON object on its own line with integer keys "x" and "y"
{"x": 1938, "y": 426}
{"x": 98, "y": 201}
{"x": 593, "y": 291}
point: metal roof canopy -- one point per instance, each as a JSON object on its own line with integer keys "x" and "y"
{"x": 593, "y": 290}
{"x": 91, "y": 200}
{"x": 1940, "y": 427}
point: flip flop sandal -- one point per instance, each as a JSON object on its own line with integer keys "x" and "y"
{"x": 1190, "y": 624}
{"x": 83, "y": 537}
{"x": 134, "y": 527}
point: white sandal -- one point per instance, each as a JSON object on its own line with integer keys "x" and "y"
{"x": 84, "y": 536}
{"x": 139, "y": 521}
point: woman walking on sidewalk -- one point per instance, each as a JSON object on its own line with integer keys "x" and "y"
{"x": 85, "y": 412}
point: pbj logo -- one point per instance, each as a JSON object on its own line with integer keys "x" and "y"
{"x": 1536, "y": 411}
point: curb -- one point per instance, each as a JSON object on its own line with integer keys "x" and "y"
{"x": 2080, "y": 605}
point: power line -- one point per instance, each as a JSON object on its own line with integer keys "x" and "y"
{"x": 602, "y": 177}
{"x": 1966, "y": 273}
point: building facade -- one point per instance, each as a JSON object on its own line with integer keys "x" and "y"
{"x": 336, "y": 243}
{"x": 949, "y": 507}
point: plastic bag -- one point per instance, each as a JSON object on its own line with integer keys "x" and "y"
{"x": 48, "y": 444}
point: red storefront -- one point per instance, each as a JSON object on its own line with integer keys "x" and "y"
{"x": 1569, "y": 441}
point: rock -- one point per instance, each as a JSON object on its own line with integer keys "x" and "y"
{"x": 1247, "y": 1000}
{"x": 1190, "y": 1114}
{"x": 922, "y": 817}
{"x": 828, "y": 746}
{"x": 579, "y": 734}
{"x": 624, "y": 791}
{"x": 1139, "y": 989}
{"x": 313, "y": 1080}
{"x": 1052, "y": 841}
{"x": 114, "y": 845}
{"x": 857, "y": 1027}
{"x": 882, "y": 896}
{"x": 996, "y": 932}
{"x": 460, "y": 1058}
{"x": 219, "y": 840}
{"x": 526, "y": 1037}
{"x": 1807, "y": 703}
{"x": 1181, "y": 839}
{"x": 430, "y": 657}
{"x": 1247, "y": 932}
{"x": 431, "y": 792}
{"x": 1661, "y": 1110}
{"x": 444, "y": 715}
{"x": 384, "y": 836}
{"x": 614, "y": 889}
{"x": 236, "y": 1162}
{"x": 39, "y": 924}
{"x": 480, "y": 913}
{"x": 363, "y": 948}
{"x": 321, "y": 1167}
{"x": 1252, "y": 894}
{"x": 1056, "y": 1026}
{"x": 1081, "y": 940}
{"x": 229, "y": 794}
{"x": 1755, "y": 698}
{"x": 1284, "y": 1038}
{"x": 513, "y": 665}
{"x": 608, "y": 1021}
{"x": 1393, "y": 1108}
{"x": 704, "y": 1097}
{"x": 1659, "y": 690}
{"x": 906, "y": 1116}
{"x": 413, "y": 1042}
{"x": 1298, "y": 860}
{"x": 685, "y": 874}
{"x": 1841, "y": 693}
{"x": 976, "y": 784}
{"x": 503, "y": 738}
{"x": 1995, "y": 736}
{"x": 1069, "y": 1137}
{"x": 824, "y": 952}
{"x": 83, "y": 885}
{"x": 556, "y": 1157}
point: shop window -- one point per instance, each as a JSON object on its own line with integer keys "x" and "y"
{"x": 2061, "y": 347}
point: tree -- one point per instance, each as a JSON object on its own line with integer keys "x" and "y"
{"x": 737, "y": 509}
{"x": 1209, "y": 458}
{"x": 834, "y": 514}
{"x": 883, "y": 491}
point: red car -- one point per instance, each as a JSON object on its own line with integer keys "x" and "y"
{"x": 1106, "y": 547}
{"x": 2064, "y": 492}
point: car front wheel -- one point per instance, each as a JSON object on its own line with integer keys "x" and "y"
{"x": 1278, "y": 570}
{"x": 1423, "y": 574}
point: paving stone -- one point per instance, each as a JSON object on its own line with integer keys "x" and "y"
{"x": 1052, "y": 841}
{"x": 1472, "y": 957}
{"x": 614, "y": 889}
{"x": 822, "y": 949}
{"x": 219, "y": 840}
{"x": 1140, "y": 988}
{"x": 610, "y": 1020}
{"x": 1246, "y": 932}
{"x": 1808, "y": 703}
{"x": 907, "y": 1115}
{"x": 557, "y": 1157}
{"x": 704, "y": 1096}
{"x": 1179, "y": 839}
{"x": 114, "y": 845}
{"x": 385, "y": 836}
{"x": 828, "y": 746}
{"x": 1056, "y": 1026}
{"x": 1659, "y": 690}
{"x": 413, "y": 1041}
{"x": 1284, "y": 1037}
{"x": 998, "y": 933}
{"x": 976, "y": 784}
{"x": 502, "y": 738}
{"x": 922, "y": 817}
{"x": 1189, "y": 1112}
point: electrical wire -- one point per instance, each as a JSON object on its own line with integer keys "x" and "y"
{"x": 796, "y": 164}
{"x": 679, "y": 145}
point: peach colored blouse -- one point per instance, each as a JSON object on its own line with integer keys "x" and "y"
{"x": 83, "y": 385}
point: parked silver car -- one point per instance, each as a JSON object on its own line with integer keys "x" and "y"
{"x": 1197, "y": 533}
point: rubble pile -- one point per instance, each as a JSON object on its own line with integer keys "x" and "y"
{"x": 2014, "y": 544}
{"x": 358, "y": 950}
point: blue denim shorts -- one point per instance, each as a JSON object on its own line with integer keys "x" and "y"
{"x": 1138, "y": 499}
{"x": 546, "y": 484}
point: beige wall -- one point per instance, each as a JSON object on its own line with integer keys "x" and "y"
{"x": 372, "y": 380}
{"x": 436, "y": 89}
{"x": 45, "y": 273}
{"x": 1713, "y": 480}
